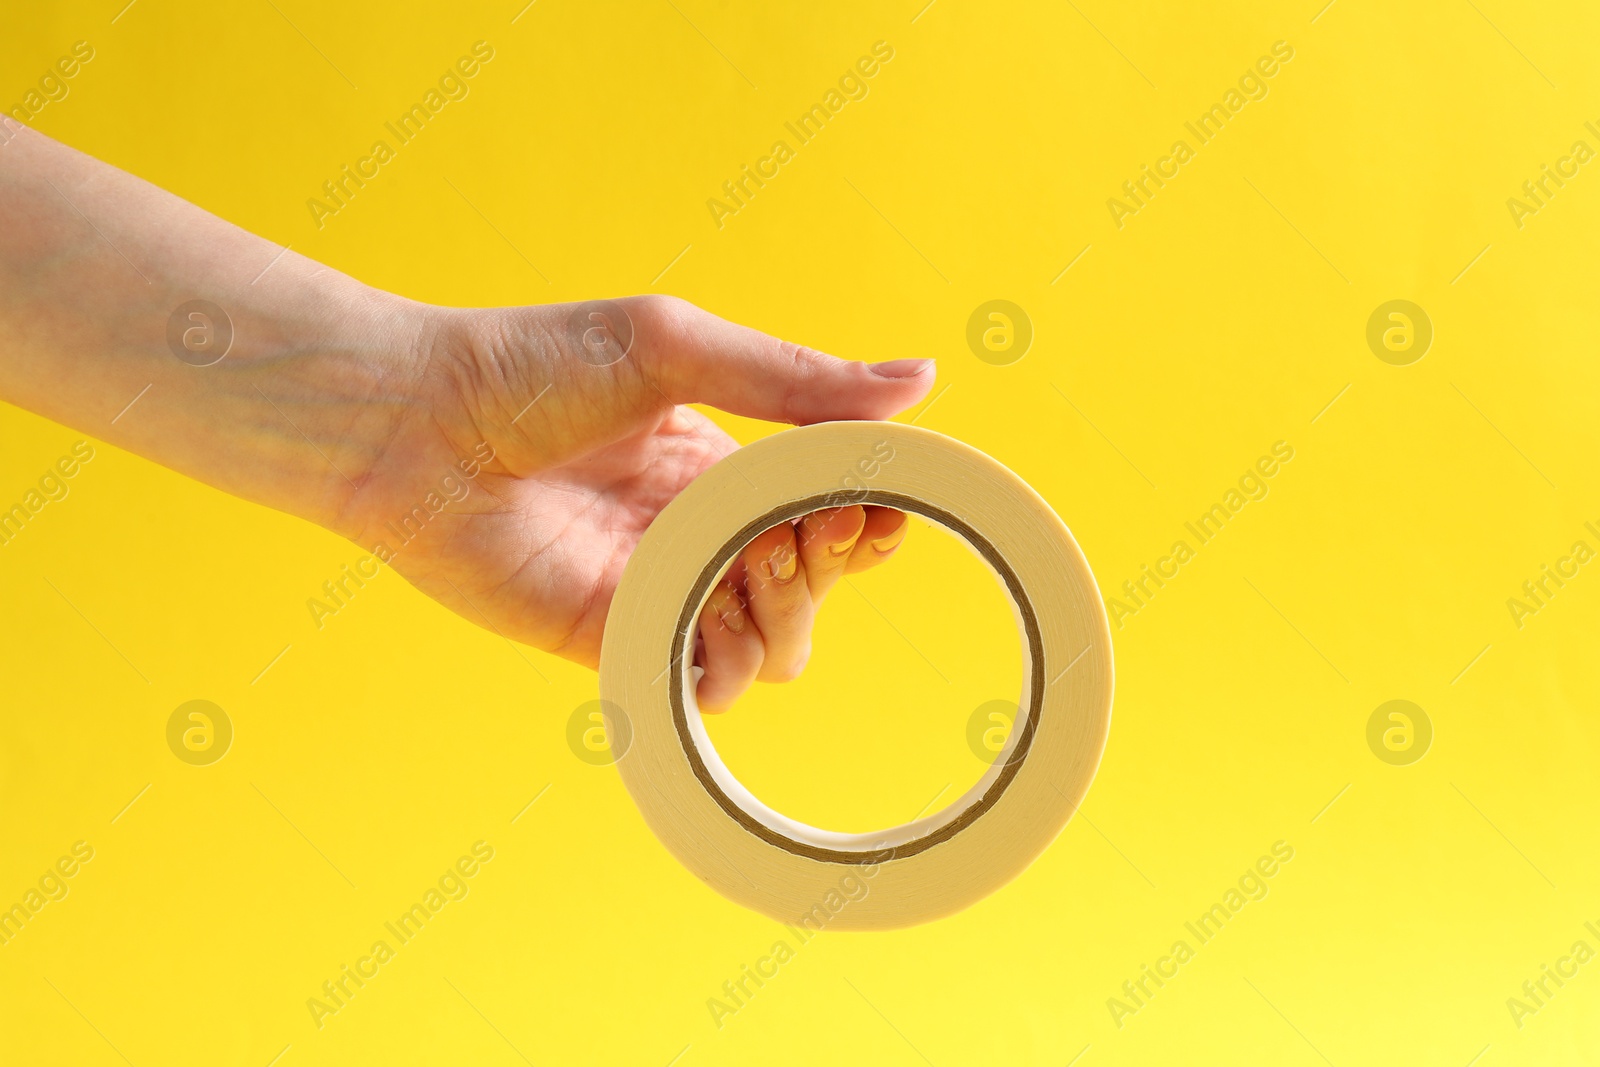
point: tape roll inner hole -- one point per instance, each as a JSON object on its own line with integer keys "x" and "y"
{"x": 906, "y": 839}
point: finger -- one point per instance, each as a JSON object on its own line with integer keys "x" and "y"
{"x": 730, "y": 652}
{"x": 826, "y": 541}
{"x": 885, "y": 529}
{"x": 779, "y": 601}
{"x": 695, "y": 357}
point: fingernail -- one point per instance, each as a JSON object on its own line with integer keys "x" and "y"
{"x": 843, "y": 547}
{"x": 783, "y": 564}
{"x": 890, "y": 542}
{"x": 732, "y": 611}
{"x": 900, "y": 368}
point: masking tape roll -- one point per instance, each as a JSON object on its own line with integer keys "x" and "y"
{"x": 921, "y": 870}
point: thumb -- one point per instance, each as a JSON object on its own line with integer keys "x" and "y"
{"x": 695, "y": 357}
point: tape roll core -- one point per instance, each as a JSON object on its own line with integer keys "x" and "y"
{"x": 933, "y": 865}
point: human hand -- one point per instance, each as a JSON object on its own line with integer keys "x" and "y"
{"x": 574, "y": 447}
{"x": 505, "y": 460}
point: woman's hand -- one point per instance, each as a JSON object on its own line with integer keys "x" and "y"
{"x": 572, "y": 418}
{"x": 757, "y": 624}
{"x": 505, "y": 460}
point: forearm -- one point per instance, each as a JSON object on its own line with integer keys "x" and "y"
{"x": 94, "y": 264}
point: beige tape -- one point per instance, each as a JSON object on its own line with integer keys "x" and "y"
{"x": 921, "y": 870}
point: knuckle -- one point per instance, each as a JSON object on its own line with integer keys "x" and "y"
{"x": 802, "y": 358}
{"x": 659, "y": 311}
{"x": 661, "y": 325}
{"x": 803, "y": 365}
{"x": 804, "y": 370}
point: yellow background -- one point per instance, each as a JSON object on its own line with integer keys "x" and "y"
{"x": 1221, "y": 318}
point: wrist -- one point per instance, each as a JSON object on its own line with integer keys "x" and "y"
{"x": 329, "y": 398}
{"x": 298, "y": 413}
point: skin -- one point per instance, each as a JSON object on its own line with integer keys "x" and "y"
{"x": 347, "y": 406}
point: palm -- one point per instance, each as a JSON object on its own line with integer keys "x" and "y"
{"x": 535, "y": 554}
{"x": 577, "y": 456}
